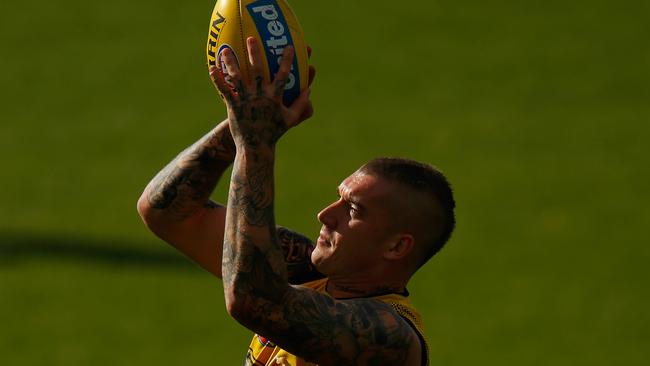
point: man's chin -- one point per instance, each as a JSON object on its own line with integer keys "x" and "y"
{"x": 319, "y": 260}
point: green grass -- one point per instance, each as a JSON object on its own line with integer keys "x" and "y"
{"x": 538, "y": 112}
{"x": 82, "y": 314}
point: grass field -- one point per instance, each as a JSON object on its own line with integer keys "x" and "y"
{"x": 539, "y": 113}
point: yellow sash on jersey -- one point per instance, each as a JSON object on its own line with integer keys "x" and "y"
{"x": 263, "y": 352}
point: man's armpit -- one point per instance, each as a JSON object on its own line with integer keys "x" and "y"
{"x": 297, "y": 253}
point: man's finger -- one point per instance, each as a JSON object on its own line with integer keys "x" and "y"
{"x": 232, "y": 69}
{"x": 222, "y": 86}
{"x": 312, "y": 75}
{"x": 283, "y": 74}
{"x": 256, "y": 60}
{"x": 234, "y": 74}
{"x": 307, "y": 113}
{"x": 299, "y": 108}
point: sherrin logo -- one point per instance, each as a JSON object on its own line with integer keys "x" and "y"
{"x": 216, "y": 25}
{"x": 275, "y": 35}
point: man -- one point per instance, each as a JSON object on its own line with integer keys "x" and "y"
{"x": 391, "y": 216}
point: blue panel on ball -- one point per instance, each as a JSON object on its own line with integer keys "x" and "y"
{"x": 275, "y": 34}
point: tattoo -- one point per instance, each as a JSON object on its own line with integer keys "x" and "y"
{"x": 256, "y": 120}
{"x": 256, "y": 202}
{"x": 259, "y": 87}
{"x": 377, "y": 291}
{"x": 326, "y": 331}
{"x": 257, "y": 273}
{"x": 212, "y": 205}
{"x": 297, "y": 255}
{"x": 186, "y": 183}
{"x": 279, "y": 85}
{"x": 360, "y": 332}
{"x": 250, "y": 239}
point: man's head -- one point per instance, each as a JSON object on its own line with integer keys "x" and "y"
{"x": 390, "y": 212}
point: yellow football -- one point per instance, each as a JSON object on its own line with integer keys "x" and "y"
{"x": 274, "y": 25}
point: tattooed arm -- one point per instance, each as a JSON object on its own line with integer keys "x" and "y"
{"x": 176, "y": 204}
{"x": 256, "y": 282}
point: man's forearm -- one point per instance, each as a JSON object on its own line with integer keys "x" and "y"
{"x": 254, "y": 268}
{"x": 185, "y": 184}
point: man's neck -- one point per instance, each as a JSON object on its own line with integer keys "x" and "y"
{"x": 345, "y": 289}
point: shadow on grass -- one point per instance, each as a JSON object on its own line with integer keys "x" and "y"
{"x": 15, "y": 248}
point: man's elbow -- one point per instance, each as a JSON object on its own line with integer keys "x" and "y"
{"x": 244, "y": 303}
{"x": 148, "y": 213}
{"x": 236, "y": 306}
{"x": 243, "y": 306}
{"x": 144, "y": 208}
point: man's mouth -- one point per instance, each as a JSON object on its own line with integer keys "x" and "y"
{"x": 323, "y": 240}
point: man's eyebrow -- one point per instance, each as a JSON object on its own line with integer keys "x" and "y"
{"x": 349, "y": 199}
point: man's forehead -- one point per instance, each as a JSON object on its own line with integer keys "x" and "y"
{"x": 364, "y": 186}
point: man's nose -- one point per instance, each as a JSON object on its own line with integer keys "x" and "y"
{"x": 326, "y": 216}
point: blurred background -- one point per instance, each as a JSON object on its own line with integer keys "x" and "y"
{"x": 538, "y": 112}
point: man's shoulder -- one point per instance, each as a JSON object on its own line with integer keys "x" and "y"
{"x": 387, "y": 313}
{"x": 392, "y": 334}
{"x": 358, "y": 331}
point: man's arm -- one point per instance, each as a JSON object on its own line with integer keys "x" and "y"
{"x": 176, "y": 204}
{"x": 297, "y": 255}
{"x": 304, "y": 322}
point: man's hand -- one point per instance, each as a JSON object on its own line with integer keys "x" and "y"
{"x": 255, "y": 109}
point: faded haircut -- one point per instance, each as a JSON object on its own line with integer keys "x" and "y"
{"x": 423, "y": 178}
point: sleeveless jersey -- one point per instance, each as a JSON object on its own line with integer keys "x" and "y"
{"x": 263, "y": 352}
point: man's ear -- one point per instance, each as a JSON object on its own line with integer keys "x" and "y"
{"x": 400, "y": 247}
